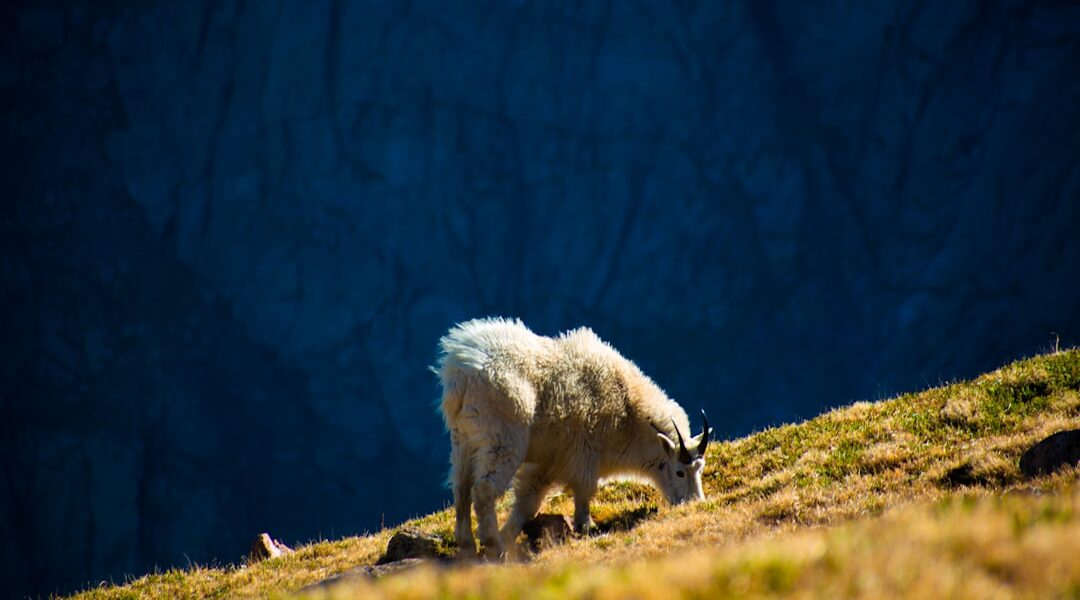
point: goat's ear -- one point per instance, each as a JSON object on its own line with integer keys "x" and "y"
{"x": 666, "y": 444}
{"x": 701, "y": 437}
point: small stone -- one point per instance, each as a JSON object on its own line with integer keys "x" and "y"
{"x": 410, "y": 543}
{"x": 1059, "y": 450}
{"x": 547, "y": 530}
{"x": 265, "y": 547}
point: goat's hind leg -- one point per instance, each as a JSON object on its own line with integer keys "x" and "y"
{"x": 462, "y": 481}
{"x": 495, "y": 463}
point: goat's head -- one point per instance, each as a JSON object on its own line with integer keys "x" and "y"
{"x": 678, "y": 472}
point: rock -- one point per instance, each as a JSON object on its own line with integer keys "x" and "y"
{"x": 365, "y": 572}
{"x": 1057, "y": 451}
{"x": 377, "y": 571}
{"x": 547, "y": 530}
{"x": 410, "y": 543}
{"x": 406, "y": 549}
{"x": 265, "y": 547}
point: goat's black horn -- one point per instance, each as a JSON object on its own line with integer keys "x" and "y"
{"x": 684, "y": 454}
{"x": 704, "y": 434}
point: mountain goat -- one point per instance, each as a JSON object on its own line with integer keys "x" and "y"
{"x": 562, "y": 411}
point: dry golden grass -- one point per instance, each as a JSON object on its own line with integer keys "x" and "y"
{"x": 975, "y": 545}
{"x": 917, "y": 496}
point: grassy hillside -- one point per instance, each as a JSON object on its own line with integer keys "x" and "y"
{"x": 920, "y": 495}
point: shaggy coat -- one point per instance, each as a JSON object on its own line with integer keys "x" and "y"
{"x": 562, "y": 411}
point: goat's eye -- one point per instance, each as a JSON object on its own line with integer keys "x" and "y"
{"x": 662, "y": 465}
{"x": 680, "y": 473}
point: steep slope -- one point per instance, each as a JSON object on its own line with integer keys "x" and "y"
{"x": 915, "y": 495}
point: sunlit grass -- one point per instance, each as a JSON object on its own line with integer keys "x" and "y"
{"x": 870, "y": 499}
{"x": 973, "y": 545}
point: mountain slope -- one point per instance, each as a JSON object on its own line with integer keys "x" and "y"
{"x": 911, "y": 496}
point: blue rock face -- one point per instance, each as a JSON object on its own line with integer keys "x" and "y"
{"x": 234, "y": 231}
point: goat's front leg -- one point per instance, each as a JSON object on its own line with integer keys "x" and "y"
{"x": 529, "y": 489}
{"x": 583, "y": 493}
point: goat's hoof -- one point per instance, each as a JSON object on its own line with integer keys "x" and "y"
{"x": 492, "y": 551}
{"x": 585, "y": 529}
{"x": 465, "y": 553}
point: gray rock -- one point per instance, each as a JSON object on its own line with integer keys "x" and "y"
{"x": 1059, "y": 450}
{"x": 546, "y": 530}
{"x": 410, "y": 543}
{"x": 365, "y": 572}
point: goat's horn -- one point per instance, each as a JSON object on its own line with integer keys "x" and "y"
{"x": 704, "y": 434}
{"x": 684, "y": 454}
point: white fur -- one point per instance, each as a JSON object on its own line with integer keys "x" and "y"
{"x": 562, "y": 411}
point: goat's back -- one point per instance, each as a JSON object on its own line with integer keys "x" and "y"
{"x": 494, "y": 361}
